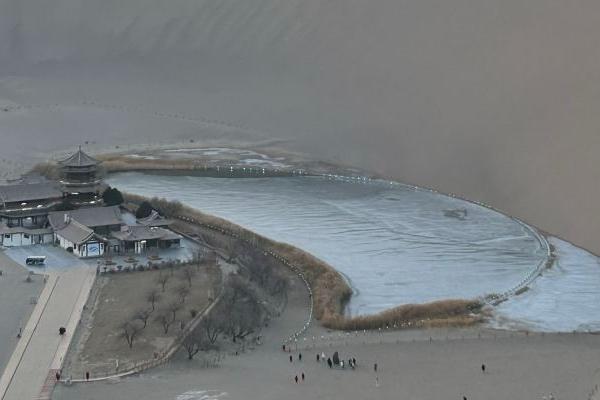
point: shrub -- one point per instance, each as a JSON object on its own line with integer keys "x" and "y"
{"x": 112, "y": 197}
{"x": 144, "y": 210}
{"x": 65, "y": 205}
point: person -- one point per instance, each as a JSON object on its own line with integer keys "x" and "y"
{"x": 464, "y": 397}
{"x": 354, "y": 361}
{"x": 342, "y": 364}
{"x": 303, "y": 377}
{"x": 296, "y": 378}
{"x": 483, "y": 368}
{"x": 87, "y": 375}
{"x": 375, "y": 367}
{"x": 318, "y": 355}
{"x": 329, "y": 362}
{"x": 299, "y": 356}
{"x": 283, "y": 347}
{"x": 290, "y": 358}
{"x": 323, "y": 355}
{"x": 57, "y": 376}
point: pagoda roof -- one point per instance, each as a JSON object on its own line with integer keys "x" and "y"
{"x": 79, "y": 159}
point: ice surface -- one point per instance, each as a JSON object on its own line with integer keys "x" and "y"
{"x": 564, "y": 298}
{"x": 394, "y": 243}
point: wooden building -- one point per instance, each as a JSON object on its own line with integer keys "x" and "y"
{"x": 81, "y": 178}
{"x": 24, "y": 212}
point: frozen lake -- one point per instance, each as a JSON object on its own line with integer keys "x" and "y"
{"x": 565, "y": 298}
{"x": 395, "y": 244}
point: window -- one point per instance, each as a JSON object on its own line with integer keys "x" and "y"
{"x": 7, "y": 236}
{"x": 26, "y": 236}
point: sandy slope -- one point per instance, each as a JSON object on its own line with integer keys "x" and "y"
{"x": 492, "y": 99}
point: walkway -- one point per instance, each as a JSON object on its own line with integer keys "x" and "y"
{"x": 41, "y": 349}
{"x": 17, "y": 302}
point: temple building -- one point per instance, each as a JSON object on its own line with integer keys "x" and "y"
{"x": 24, "y": 212}
{"x": 81, "y": 177}
{"x": 29, "y": 215}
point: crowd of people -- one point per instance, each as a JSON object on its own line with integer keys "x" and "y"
{"x": 332, "y": 362}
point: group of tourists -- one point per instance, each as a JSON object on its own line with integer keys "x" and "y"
{"x": 335, "y": 361}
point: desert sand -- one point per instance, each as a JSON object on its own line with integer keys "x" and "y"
{"x": 494, "y": 100}
{"x": 410, "y": 366}
{"x": 436, "y": 364}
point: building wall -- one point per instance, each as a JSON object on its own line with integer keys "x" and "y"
{"x": 89, "y": 249}
{"x": 24, "y": 239}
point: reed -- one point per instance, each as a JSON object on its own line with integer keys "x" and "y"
{"x": 435, "y": 314}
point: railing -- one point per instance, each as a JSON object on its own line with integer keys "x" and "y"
{"x": 488, "y": 299}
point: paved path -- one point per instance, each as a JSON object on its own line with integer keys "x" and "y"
{"x": 16, "y": 304}
{"x": 41, "y": 348}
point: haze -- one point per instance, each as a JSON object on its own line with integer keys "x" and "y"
{"x": 495, "y": 100}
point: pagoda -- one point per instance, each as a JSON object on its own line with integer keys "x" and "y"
{"x": 80, "y": 175}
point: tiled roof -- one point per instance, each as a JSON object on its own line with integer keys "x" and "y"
{"x": 20, "y": 229}
{"x": 79, "y": 159}
{"x": 75, "y": 232}
{"x": 154, "y": 219}
{"x": 139, "y": 232}
{"x": 29, "y": 192}
{"x": 90, "y": 217}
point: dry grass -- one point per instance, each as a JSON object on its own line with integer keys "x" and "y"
{"x": 49, "y": 170}
{"x": 434, "y": 314}
{"x": 119, "y": 163}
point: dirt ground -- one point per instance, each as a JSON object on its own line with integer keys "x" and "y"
{"x": 116, "y": 300}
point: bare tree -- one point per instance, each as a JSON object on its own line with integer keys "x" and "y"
{"x": 191, "y": 346}
{"x": 245, "y": 319}
{"x": 232, "y": 249}
{"x": 173, "y": 309}
{"x": 244, "y": 312}
{"x": 153, "y": 297}
{"x": 200, "y": 258}
{"x": 183, "y": 292}
{"x": 162, "y": 280}
{"x": 213, "y": 326}
{"x": 188, "y": 274}
{"x": 195, "y": 343}
{"x": 130, "y": 331}
{"x": 143, "y": 316}
{"x": 165, "y": 321}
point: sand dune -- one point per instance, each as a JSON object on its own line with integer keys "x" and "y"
{"x": 495, "y": 100}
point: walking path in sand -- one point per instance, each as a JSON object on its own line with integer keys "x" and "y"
{"x": 41, "y": 348}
